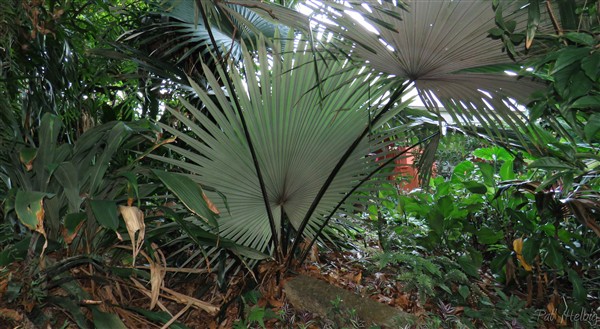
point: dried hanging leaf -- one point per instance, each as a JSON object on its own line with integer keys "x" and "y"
{"x": 518, "y": 248}
{"x": 210, "y": 204}
{"x": 552, "y": 309}
{"x": 134, "y": 220}
{"x": 157, "y": 274}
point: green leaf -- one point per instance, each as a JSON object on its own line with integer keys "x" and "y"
{"x": 549, "y": 163}
{"x": 189, "y": 192}
{"x": 26, "y": 156}
{"x": 487, "y": 171}
{"x": 106, "y": 213}
{"x": 462, "y": 171}
{"x": 73, "y": 220}
{"x": 162, "y": 317}
{"x": 531, "y": 248}
{"x": 554, "y": 255}
{"x": 507, "y": 171}
{"x": 436, "y": 222}
{"x": 586, "y": 102}
{"x": 104, "y": 320}
{"x": 591, "y": 66}
{"x": 532, "y": 22}
{"x": 568, "y": 56}
{"x": 580, "y": 38}
{"x": 464, "y": 291}
{"x": 468, "y": 266}
{"x": 29, "y": 207}
{"x": 446, "y": 206}
{"x": 257, "y": 315}
{"x": 488, "y": 236}
{"x": 494, "y": 153}
{"x": 592, "y": 127}
{"x": 579, "y": 291}
{"x": 498, "y": 263}
{"x": 116, "y": 137}
{"x": 67, "y": 176}
{"x": 496, "y": 32}
{"x": 70, "y": 305}
{"x": 475, "y": 187}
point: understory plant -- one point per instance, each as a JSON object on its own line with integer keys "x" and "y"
{"x": 491, "y": 217}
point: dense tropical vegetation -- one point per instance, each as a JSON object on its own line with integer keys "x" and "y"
{"x": 174, "y": 162}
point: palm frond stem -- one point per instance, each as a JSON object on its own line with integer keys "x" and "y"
{"x": 362, "y": 181}
{"x": 259, "y": 175}
{"x": 396, "y": 95}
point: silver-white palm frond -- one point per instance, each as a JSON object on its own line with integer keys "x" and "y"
{"x": 440, "y": 45}
{"x": 437, "y": 44}
{"x": 299, "y": 133}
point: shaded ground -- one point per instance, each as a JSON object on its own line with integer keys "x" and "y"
{"x": 243, "y": 303}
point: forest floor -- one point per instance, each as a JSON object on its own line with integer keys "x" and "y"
{"x": 246, "y": 301}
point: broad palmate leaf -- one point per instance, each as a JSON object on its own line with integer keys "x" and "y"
{"x": 299, "y": 133}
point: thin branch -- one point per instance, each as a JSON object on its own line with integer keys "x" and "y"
{"x": 263, "y": 188}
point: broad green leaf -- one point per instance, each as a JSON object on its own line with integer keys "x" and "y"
{"x": 494, "y": 153}
{"x": 464, "y": 291}
{"x": 488, "y": 236}
{"x": 72, "y": 224}
{"x": 462, "y": 170}
{"x": 49, "y": 130}
{"x": 506, "y": 170}
{"x": 586, "y": 102}
{"x": 584, "y": 39}
{"x": 487, "y": 171}
{"x": 189, "y": 192}
{"x": 72, "y": 307}
{"x": 475, "y": 187}
{"x": 446, "y": 206}
{"x": 468, "y": 266}
{"x": 29, "y": 207}
{"x": 436, "y": 222}
{"x": 106, "y": 213}
{"x": 26, "y": 156}
{"x": 568, "y": 56}
{"x": 498, "y": 263}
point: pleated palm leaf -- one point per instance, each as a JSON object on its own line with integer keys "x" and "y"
{"x": 444, "y": 47}
{"x": 181, "y": 35}
{"x": 438, "y": 45}
{"x": 299, "y": 134}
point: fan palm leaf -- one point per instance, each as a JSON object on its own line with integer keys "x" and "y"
{"x": 182, "y": 36}
{"x": 299, "y": 137}
{"x": 441, "y": 46}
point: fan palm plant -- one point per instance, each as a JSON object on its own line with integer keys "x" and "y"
{"x": 282, "y": 152}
